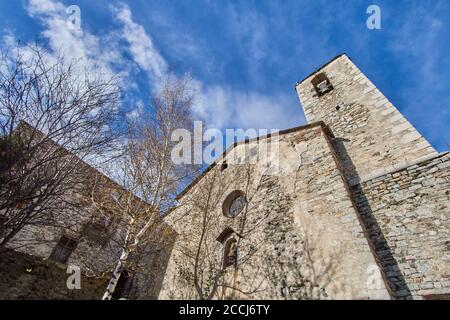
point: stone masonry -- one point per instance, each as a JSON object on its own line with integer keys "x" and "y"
{"x": 398, "y": 181}
{"x": 406, "y": 213}
{"x": 371, "y": 134}
{"x": 300, "y": 222}
{"x": 30, "y": 277}
{"x": 96, "y": 252}
{"x": 355, "y": 205}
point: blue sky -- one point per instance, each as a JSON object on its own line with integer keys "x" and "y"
{"x": 245, "y": 56}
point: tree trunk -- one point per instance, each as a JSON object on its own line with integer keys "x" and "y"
{"x": 115, "y": 276}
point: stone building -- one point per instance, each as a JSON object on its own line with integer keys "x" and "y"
{"x": 353, "y": 205}
{"x": 87, "y": 234}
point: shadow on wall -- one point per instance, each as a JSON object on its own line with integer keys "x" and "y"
{"x": 27, "y": 277}
{"x": 348, "y": 167}
{"x": 384, "y": 255}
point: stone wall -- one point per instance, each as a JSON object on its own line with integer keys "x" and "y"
{"x": 371, "y": 134}
{"x": 299, "y": 235}
{"x": 26, "y": 277}
{"x": 98, "y": 250}
{"x": 96, "y": 257}
{"x": 407, "y": 214}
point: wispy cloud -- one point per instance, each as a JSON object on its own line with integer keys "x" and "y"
{"x": 417, "y": 45}
{"x": 141, "y": 45}
{"x": 223, "y": 107}
{"x": 245, "y": 57}
{"x": 220, "y": 105}
{"x": 100, "y": 55}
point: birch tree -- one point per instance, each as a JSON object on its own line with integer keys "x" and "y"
{"x": 146, "y": 171}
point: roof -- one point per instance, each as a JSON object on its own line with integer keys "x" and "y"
{"x": 323, "y": 66}
{"x": 225, "y": 233}
{"x": 282, "y": 132}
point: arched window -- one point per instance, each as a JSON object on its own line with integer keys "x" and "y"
{"x": 228, "y": 238}
{"x": 224, "y": 166}
{"x": 322, "y": 84}
{"x": 234, "y": 203}
{"x": 230, "y": 253}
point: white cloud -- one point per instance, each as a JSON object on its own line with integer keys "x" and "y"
{"x": 220, "y": 106}
{"x": 141, "y": 45}
{"x": 44, "y": 7}
{"x": 250, "y": 31}
{"x": 418, "y": 47}
{"x": 136, "y": 112}
{"x": 96, "y": 54}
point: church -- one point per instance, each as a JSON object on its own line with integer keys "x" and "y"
{"x": 352, "y": 205}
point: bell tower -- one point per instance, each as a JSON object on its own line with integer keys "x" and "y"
{"x": 370, "y": 134}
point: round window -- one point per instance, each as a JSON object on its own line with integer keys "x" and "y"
{"x": 234, "y": 204}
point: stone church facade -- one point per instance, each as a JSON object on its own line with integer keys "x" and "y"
{"x": 357, "y": 208}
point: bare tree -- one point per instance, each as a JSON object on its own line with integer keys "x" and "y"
{"x": 215, "y": 256}
{"x": 151, "y": 179}
{"x": 53, "y": 116}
